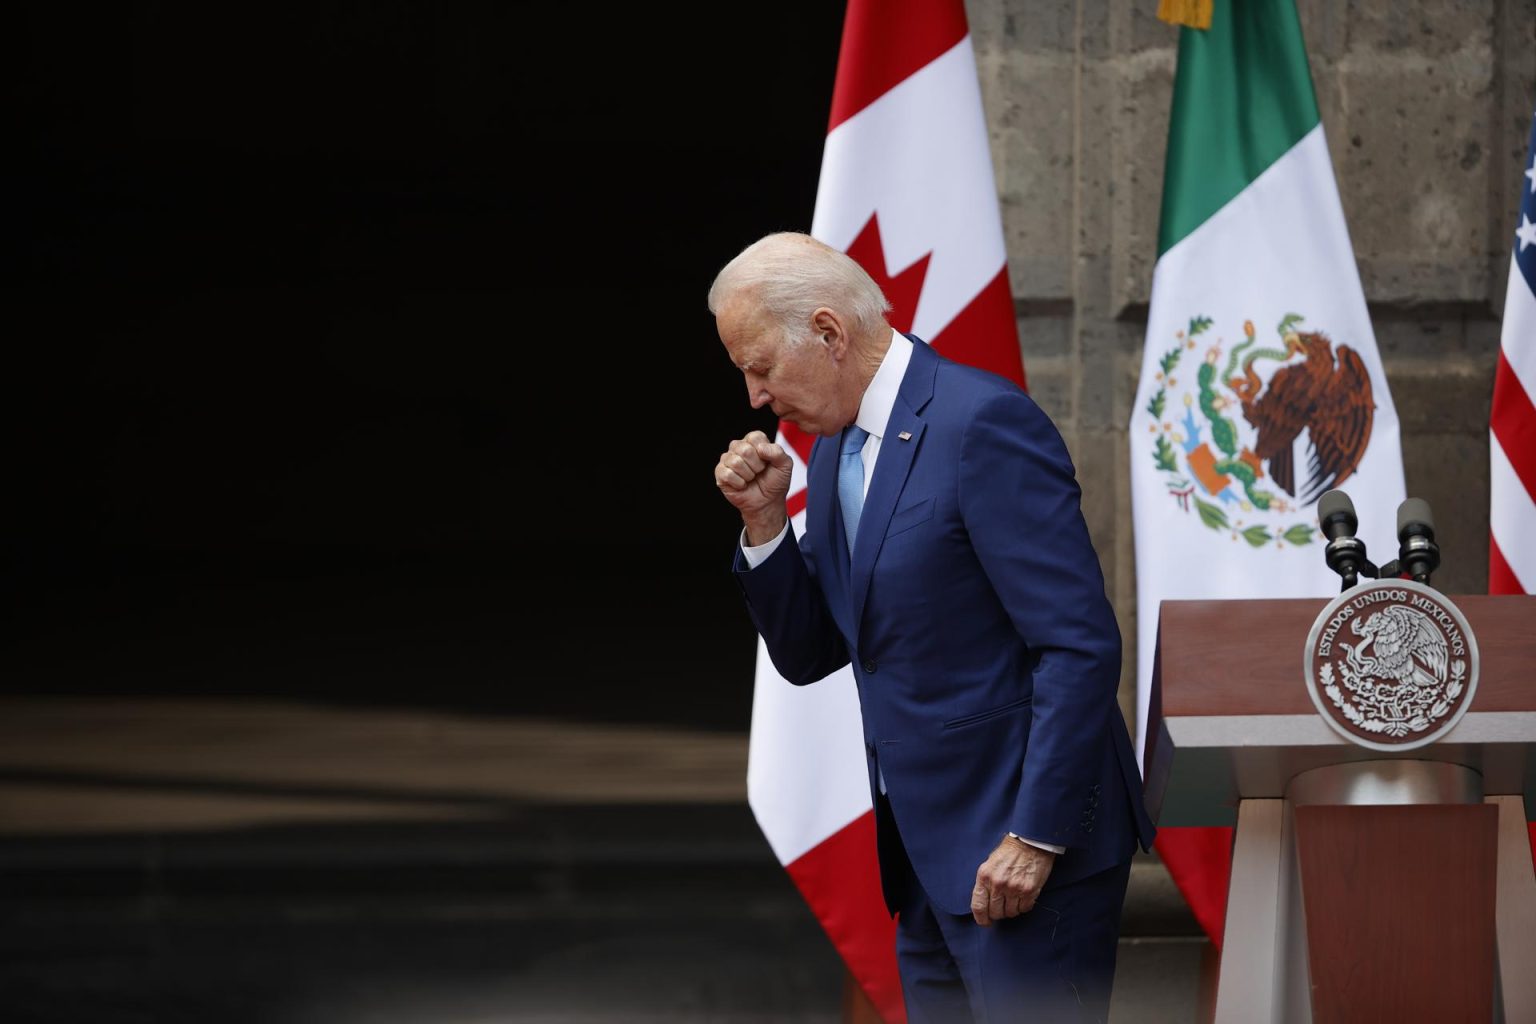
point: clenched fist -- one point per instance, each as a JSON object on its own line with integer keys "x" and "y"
{"x": 1008, "y": 884}
{"x": 753, "y": 474}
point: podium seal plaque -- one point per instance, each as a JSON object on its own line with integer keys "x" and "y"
{"x": 1391, "y": 664}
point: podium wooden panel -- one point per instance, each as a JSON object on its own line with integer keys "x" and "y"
{"x": 1234, "y": 738}
{"x": 1376, "y": 875}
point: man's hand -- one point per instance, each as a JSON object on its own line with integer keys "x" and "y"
{"x": 1008, "y": 884}
{"x": 753, "y": 474}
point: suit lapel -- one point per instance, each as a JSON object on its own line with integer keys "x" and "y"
{"x": 891, "y": 470}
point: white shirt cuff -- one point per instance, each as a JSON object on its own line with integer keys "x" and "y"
{"x": 757, "y": 554}
{"x": 1052, "y": 847}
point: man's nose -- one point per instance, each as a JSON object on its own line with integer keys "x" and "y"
{"x": 757, "y": 394}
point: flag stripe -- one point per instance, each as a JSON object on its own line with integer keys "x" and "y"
{"x": 1513, "y": 422}
{"x": 795, "y": 503}
{"x": 884, "y": 42}
{"x": 1519, "y": 333}
{"x": 1199, "y": 860}
{"x": 1512, "y": 521}
{"x": 806, "y": 773}
{"x": 972, "y": 336}
{"x": 1501, "y": 578}
{"x": 1242, "y": 97}
{"x": 835, "y": 879}
{"x": 914, "y": 169}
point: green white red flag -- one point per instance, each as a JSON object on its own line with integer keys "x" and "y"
{"x": 1261, "y": 386}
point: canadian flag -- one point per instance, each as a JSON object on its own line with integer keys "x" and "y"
{"x": 907, "y": 190}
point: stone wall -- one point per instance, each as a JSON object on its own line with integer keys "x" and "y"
{"x": 1426, "y": 107}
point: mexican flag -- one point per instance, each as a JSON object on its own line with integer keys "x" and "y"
{"x": 1261, "y": 386}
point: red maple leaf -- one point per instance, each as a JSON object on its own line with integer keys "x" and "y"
{"x": 902, "y": 289}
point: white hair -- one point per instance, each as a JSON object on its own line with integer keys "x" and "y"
{"x": 790, "y": 275}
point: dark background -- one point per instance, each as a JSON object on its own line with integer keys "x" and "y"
{"x": 358, "y": 352}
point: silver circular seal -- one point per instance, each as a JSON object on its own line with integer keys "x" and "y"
{"x": 1391, "y": 665}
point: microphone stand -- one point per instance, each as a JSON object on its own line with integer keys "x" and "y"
{"x": 1346, "y": 556}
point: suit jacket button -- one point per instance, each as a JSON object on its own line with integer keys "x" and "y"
{"x": 870, "y": 748}
{"x": 869, "y": 666}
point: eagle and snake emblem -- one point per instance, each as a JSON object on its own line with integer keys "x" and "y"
{"x": 1400, "y": 678}
{"x": 1264, "y": 430}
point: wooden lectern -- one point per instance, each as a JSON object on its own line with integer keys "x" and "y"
{"x": 1366, "y": 885}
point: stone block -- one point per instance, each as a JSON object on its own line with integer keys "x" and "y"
{"x": 1407, "y": 333}
{"x": 1410, "y": 130}
{"x": 1020, "y": 28}
{"x": 1441, "y": 397}
{"x": 1407, "y": 29}
{"x": 1045, "y": 335}
{"x": 1123, "y": 583}
{"x": 1450, "y": 471}
{"x": 1515, "y": 39}
{"x": 1324, "y": 27}
{"x": 1141, "y": 30}
{"x": 1093, "y": 455}
{"x": 1050, "y": 385}
{"x": 1101, "y": 401}
{"x": 1138, "y": 127}
{"x": 1033, "y": 137}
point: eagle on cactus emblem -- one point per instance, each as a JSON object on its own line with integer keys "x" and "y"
{"x": 1250, "y": 435}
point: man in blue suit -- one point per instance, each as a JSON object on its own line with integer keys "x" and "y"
{"x": 946, "y": 557}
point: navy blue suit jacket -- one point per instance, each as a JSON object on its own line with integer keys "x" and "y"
{"x": 973, "y": 610}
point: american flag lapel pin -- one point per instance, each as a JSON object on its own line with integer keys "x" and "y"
{"x": 905, "y": 435}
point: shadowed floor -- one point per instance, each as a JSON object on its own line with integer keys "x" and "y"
{"x": 273, "y": 862}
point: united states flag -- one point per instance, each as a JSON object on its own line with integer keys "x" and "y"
{"x": 1512, "y": 425}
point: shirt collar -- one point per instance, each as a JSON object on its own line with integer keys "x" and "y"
{"x": 880, "y": 397}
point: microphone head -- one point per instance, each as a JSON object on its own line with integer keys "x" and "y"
{"x": 1415, "y": 512}
{"x": 1335, "y": 508}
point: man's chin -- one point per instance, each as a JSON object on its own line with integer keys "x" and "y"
{"x": 808, "y": 428}
{"x": 798, "y": 423}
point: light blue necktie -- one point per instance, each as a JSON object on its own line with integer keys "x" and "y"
{"x": 850, "y": 481}
{"x": 850, "y": 495}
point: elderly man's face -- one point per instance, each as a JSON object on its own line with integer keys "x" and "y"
{"x": 798, "y": 382}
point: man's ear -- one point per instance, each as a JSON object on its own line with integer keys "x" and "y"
{"x": 829, "y": 326}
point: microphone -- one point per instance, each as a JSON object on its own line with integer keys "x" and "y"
{"x": 1344, "y": 551}
{"x": 1417, "y": 552}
